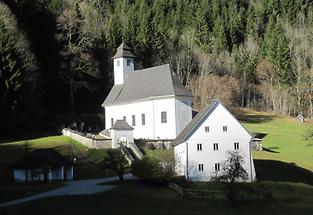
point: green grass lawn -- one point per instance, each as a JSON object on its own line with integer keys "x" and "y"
{"x": 284, "y": 136}
{"x": 13, "y": 151}
{"x": 136, "y": 198}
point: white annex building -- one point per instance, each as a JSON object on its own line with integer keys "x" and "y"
{"x": 153, "y": 100}
{"x": 201, "y": 148}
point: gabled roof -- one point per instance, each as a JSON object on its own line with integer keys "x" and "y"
{"x": 121, "y": 125}
{"x": 146, "y": 83}
{"x": 105, "y": 133}
{"x": 197, "y": 121}
{"x": 42, "y": 158}
{"x": 123, "y": 51}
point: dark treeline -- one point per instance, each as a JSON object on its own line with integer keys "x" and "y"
{"x": 55, "y": 55}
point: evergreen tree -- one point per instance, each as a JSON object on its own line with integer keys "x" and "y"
{"x": 219, "y": 31}
{"x": 275, "y": 48}
{"x": 202, "y": 29}
{"x": 114, "y": 31}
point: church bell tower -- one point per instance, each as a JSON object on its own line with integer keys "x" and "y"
{"x": 123, "y": 64}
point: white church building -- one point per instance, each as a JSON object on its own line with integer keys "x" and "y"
{"x": 153, "y": 100}
{"x": 201, "y": 149}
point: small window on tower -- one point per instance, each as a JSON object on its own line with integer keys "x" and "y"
{"x": 118, "y": 63}
{"x": 128, "y": 62}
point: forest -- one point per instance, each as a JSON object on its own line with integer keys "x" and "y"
{"x": 55, "y": 55}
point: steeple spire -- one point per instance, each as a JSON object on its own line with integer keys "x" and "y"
{"x": 123, "y": 51}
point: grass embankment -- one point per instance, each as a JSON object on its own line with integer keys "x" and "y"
{"x": 284, "y": 139}
{"x": 89, "y": 161}
{"x": 136, "y": 198}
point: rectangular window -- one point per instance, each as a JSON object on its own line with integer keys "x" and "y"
{"x": 112, "y": 121}
{"x": 163, "y": 117}
{"x": 199, "y": 147}
{"x": 207, "y": 128}
{"x": 225, "y": 128}
{"x": 236, "y": 146}
{"x": 215, "y": 146}
{"x": 217, "y": 167}
{"x": 200, "y": 166}
{"x": 128, "y": 62}
{"x": 133, "y": 120}
{"x": 118, "y": 63}
{"x": 143, "y": 119}
{"x": 124, "y": 118}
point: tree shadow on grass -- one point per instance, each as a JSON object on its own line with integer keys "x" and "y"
{"x": 271, "y": 149}
{"x": 271, "y": 170}
{"x": 254, "y": 118}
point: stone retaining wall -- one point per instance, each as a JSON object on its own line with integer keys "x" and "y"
{"x": 90, "y": 142}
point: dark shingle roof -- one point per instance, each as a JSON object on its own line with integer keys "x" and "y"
{"x": 123, "y": 51}
{"x": 121, "y": 125}
{"x": 146, "y": 83}
{"x": 197, "y": 121}
{"x": 41, "y": 158}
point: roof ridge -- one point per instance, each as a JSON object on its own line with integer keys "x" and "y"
{"x": 153, "y": 67}
{"x": 184, "y": 134}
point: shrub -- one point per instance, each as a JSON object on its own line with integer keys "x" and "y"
{"x": 146, "y": 169}
{"x": 152, "y": 171}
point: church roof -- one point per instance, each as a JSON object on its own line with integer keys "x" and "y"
{"x": 123, "y": 51}
{"x": 197, "y": 121}
{"x": 121, "y": 125}
{"x": 147, "y": 83}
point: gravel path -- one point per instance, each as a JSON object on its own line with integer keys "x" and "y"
{"x": 78, "y": 187}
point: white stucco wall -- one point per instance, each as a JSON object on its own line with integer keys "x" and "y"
{"x": 208, "y": 157}
{"x": 164, "y": 130}
{"x": 20, "y": 175}
{"x": 153, "y": 128}
{"x": 183, "y": 113}
{"x": 140, "y": 131}
{"x": 55, "y": 174}
{"x": 122, "y": 71}
{"x": 180, "y": 159}
{"x": 120, "y": 135}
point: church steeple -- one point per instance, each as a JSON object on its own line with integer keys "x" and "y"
{"x": 123, "y": 64}
{"x": 123, "y": 51}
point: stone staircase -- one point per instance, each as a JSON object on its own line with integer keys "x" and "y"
{"x": 132, "y": 152}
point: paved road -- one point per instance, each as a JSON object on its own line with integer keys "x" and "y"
{"x": 79, "y": 187}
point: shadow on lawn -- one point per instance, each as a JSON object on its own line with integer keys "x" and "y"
{"x": 271, "y": 170}
{"x": 254, "y": 118}
{"x": 271, "y": 149}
